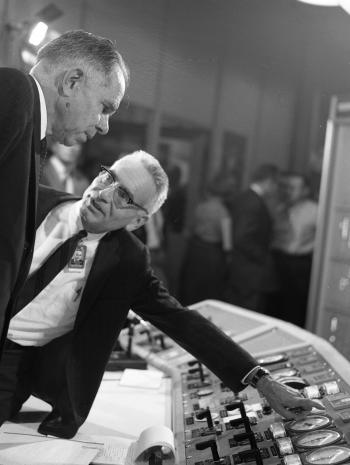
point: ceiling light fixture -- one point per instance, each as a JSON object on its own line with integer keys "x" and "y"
{"x": 345, "y": 4}
{"x": 321, "y": 2}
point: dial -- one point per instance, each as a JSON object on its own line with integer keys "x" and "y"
{"x": 330, "y": 455}
{"x": 270, "y": 359}
{"x": 318, "y": 438}
{"x": 310, "y": 423}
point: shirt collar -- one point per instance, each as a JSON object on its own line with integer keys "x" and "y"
{"x": 43, "y": 110}
{"x": 257, "y": 189}
{"x": 59, "y": 167}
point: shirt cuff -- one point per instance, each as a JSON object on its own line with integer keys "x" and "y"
{"x": 249, "y": 375}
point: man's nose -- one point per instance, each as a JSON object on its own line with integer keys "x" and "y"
{"x": 103, "y": 125}
{"x": 106, "y": 195}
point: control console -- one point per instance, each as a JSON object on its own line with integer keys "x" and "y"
{"x": 212, "y": 424}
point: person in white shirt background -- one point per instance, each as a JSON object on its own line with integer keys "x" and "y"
{"x": 61, "y": 170}
{"x": 293, "y": 244}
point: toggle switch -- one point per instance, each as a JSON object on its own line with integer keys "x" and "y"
{"x": 207, "y": 415}
{"x": 160, "y": 338}
{"x": 243, "y": 436}
{"x": 213, "y": 446}
{"x": 237, "y": 422}
{"x": 251, "y": 454}
{"x": 198, "y": 370}
{"x": 148, "y": 333}
{"x": 237, "y": 405}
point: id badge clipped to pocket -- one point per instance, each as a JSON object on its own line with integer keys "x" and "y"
{"x": 77, "y": 262}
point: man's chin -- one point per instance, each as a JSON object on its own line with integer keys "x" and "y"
{"x": 94, "y": 228}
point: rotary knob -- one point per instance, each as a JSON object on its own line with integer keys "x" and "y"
{"x": 312, "y": 392}
{"x": 277, "y": 430}
{"x": 285, "y": 446}
{"x": 293, "y": 459}
{"x": 329, "y": 388}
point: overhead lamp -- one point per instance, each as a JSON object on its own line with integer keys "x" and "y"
{"x": 38, "y": 33}
{"x": 345, "y": 4}
{"x": 38, "y": 30}
{"x": 321, "y": 2}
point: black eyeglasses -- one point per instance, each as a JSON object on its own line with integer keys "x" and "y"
{"x": 121, "y": 191}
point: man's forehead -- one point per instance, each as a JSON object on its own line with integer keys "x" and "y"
{"x": 112, "y": 89}
{"x": 117, "y": 84}
{"x": 135, "y": 177}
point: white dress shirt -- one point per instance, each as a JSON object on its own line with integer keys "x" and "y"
{"x": 53, "y": 311}
{"x": 43, "y": 110}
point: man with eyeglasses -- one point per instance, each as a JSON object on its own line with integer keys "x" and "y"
{"x": 59, "y": 342}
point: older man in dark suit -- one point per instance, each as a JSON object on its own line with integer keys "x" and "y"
{"x": 62, "y": 335}
{"x": 76, "y": 84}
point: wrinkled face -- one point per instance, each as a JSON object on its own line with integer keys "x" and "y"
{"x": 85, "y": 105}
{"x": 120, "y": 199}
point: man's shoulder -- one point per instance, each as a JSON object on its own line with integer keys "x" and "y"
{"x": 46, "y": 192}
{"x": 14, "y": 77}
{"x": 49, "y": 198}
{"x": 247, "y": 199}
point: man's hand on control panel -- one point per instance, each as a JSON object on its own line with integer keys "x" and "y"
{"x": 286, "y": 401}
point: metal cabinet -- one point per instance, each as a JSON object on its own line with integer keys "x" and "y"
{"x": 329, "y": 299}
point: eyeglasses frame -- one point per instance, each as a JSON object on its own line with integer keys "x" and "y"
{"x": 104, "y": 168}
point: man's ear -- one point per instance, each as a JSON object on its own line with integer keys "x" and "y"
{"x": 70, "y": 80}
{"x": 137, "y": 223}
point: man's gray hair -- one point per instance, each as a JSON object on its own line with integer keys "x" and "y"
{"x": 158, "y": 174}
{"x": 81, "y": 46}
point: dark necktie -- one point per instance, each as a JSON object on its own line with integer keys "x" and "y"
{"x": 48, "y": 270}
{"x": 43, "y": 152}
{"x": 43, "y": 148}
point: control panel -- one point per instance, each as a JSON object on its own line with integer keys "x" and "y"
{"x": 234, "y": 428}
{"x": 212, "y": 424}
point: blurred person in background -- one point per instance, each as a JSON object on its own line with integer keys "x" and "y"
{"x": 76, "y": 84}
{"x": 204, "y": 270}
{"x": 252, "y": 275}
{"x": 61, "y": 171}
{"x": 174, "y": 228}
{"x": 293, "y": 245}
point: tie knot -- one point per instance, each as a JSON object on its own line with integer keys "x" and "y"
{"x": 82, "y": 233}
{"x": 43, "y": 147}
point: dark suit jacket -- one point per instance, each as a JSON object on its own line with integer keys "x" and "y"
{"x": 19, "y": 143}
{"x": 121, "y": 279}
{"x": 251, "y": 264}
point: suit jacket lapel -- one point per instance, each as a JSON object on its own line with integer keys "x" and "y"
{"x": 106, "y": 259}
